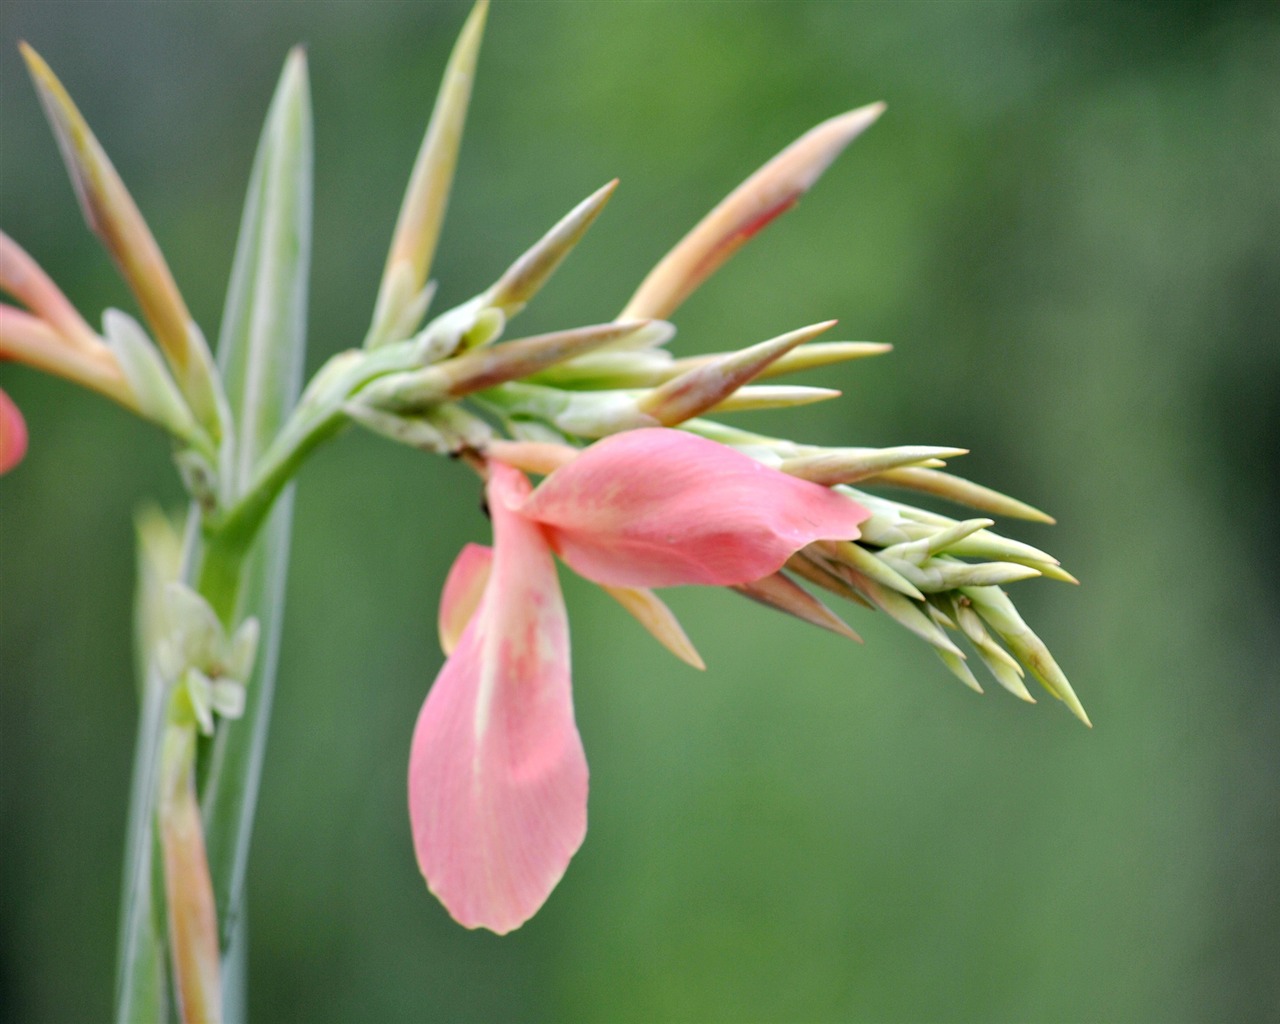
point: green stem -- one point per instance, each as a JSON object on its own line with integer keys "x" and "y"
{"x": 318, "y": 417}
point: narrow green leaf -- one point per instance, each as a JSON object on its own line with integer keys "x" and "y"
{"x": 263, "y": 337}
{"x": 261, "y": 352}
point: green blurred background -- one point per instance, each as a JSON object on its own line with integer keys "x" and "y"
{"x": 1066, "y": 224}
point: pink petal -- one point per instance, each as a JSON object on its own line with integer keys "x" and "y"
{"x": 463, "y": 589}
{"x": 657, "y": 507}
{"x": 497, "y": 774}
{"x": 13, "y": 434}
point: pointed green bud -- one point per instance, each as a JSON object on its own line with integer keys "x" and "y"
{"x": 755, "y": 397}
{"x": 484, "y": 368}
{"x": 806, "y": 357}
{"x": 906, "y": 612}
{"x": 809, "y": 566}
{"x": 479, "y": 369}
{"x": 985, "y": 544}
{"x": 825, "y": 353}
{"x": 1010, "y": 677}
{"x": 942, "y": 618}
{"x": 526, "y": 276}
{"x": 941, "y": 574}
{"x": 1003, "y": 667}
{"x": 835, "y": 557}
{"x": 917, "y": 551}
{"x": 591, "y": 414}
{"x": 630, "y": 368}
{"x": 959, "y": 668}
{"x": 995, "y": 607}
{"x": 855, "y": 556}
{"x": 707, "y": 386}
{"x": 970, "y": 624}
{"x": 963, "y": 492}
{"x": 783, "y": 594}
{"x": 830, "y": 466}
{"x": 770, "y": 191}
{"x": 418, "y": 227}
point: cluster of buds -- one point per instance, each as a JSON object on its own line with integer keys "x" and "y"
{"x": 455, "y": 386}
{"x": 642, "y": 486}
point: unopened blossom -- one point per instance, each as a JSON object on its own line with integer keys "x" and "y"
{"x": 497, "y": 774}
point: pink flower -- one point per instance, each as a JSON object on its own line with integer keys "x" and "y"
{"x": 13, "y": 434}
{"x": 497, "y": 774}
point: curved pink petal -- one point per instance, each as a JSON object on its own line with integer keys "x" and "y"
{"x": 497, "y": 774}
{"x": 13, "y": 434}
{"x": 658, "y": 507}
{"x": 463, "y": 589}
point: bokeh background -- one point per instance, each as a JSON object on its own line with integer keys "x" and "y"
{"x": 1067, "y": 226}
